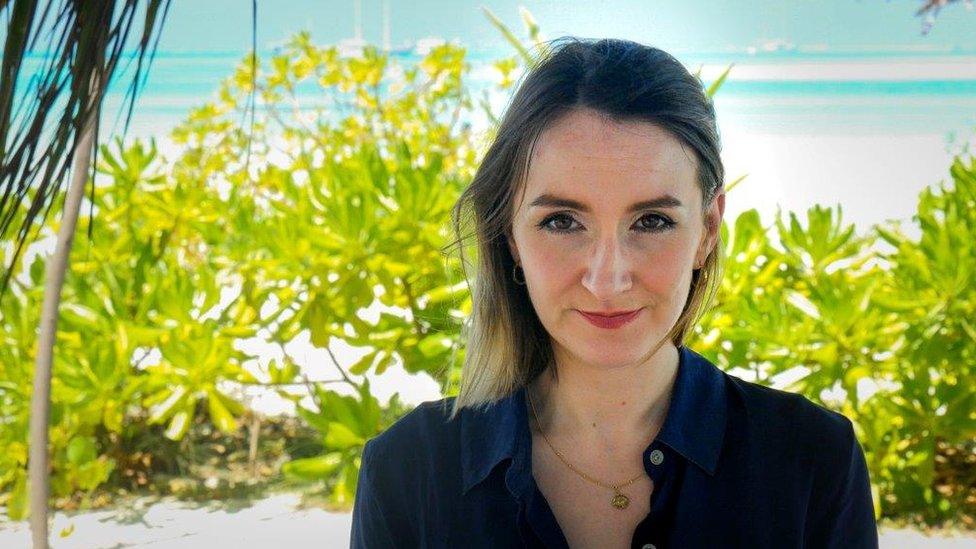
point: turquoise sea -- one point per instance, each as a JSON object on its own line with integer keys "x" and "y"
{"x": 863, "y": 129}
{"x": 861, "y": 91}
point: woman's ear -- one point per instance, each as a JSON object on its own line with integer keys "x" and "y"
{"x": 713, "y": 225}
{"x": 512, "y": 247}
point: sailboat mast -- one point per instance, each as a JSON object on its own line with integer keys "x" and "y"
{"x": 386, "y": 25}
{"x": 358, "y": 20}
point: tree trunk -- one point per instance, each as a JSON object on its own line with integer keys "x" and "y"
{"x": 254, "y": 431}
{"x": 37, "y": 466}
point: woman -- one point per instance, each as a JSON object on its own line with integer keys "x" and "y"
{"x": 582, "y": 419}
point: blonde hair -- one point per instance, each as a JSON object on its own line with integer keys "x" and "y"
{"x": 506, "y": 344}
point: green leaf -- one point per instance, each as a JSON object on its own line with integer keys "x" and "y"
{"x": 37, "y": 270}
{"x": 179, "y": 424}
{"x": 890, "y": 236}
{"x": 341, "y": 408}
{"x": 509, "y": 36}
{"x": 313, "y": 468}
{"x": 317, "y": 318}
{"x": 113, "y": 415}
{"x": 219, "y": 413}
{"x": 434, "y": 345}
{"x": 371, "y": 413}
{"x": 233, "y": 406}
{"x": 239, "y": 331}
{"x": 341, "y": 437}
{"x": 713, "y": 88}
{"x": 530, "y": 25}
{"x": 17, "y": 506}
{"x": 81, "y": 450}
{"x": 384, "y": 363}
{"x": 442, "y": 294}
{"x": 852, "y": 375}
{"x": 363, "y": 364}
{"x": 317, "y": 420}
{"x": 174, "y": 398}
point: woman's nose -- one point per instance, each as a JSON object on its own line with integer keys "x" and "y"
{"x": 608, "y": 271}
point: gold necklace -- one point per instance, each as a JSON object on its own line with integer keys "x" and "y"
{"x": 619, "y": 499}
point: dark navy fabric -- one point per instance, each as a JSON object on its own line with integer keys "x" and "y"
{"x": 743, "y": 465}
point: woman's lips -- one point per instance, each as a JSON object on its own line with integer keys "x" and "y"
{"x": 610, "y": 322}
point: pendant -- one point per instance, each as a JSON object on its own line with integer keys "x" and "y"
{"x": 620, "y": 501}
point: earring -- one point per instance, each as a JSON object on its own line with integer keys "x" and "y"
{"x": 515, "y": 276}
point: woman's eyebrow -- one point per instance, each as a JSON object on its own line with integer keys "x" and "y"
{"x": 553, "y": 201}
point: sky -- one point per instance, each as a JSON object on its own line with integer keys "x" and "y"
{"x": 712, "y": 25}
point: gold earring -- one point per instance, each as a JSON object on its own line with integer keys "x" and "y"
{"x": 515, "y": 275}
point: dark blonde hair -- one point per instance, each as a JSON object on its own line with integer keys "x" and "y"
{"x": 507, "y": 346}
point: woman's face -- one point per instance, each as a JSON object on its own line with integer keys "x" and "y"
{"x": 610, "y": 220}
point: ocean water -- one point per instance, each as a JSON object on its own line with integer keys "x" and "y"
{"x": 797, "y": 92}
{"x": 863, "y": 130}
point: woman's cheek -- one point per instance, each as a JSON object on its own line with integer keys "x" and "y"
{"x": 548, "y": 255}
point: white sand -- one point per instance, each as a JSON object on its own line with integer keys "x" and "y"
{"x": 271, "y": 522}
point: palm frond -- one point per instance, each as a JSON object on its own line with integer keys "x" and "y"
{"x": 41, "y": 119}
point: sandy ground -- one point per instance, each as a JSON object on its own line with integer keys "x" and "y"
{"x": 272, "y": 522}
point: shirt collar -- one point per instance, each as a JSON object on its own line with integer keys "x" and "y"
{"x": 694, "y": 426}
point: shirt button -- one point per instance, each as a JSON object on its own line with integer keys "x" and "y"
{"x": 649, "y": 545}
{"x": 657, "y": 457}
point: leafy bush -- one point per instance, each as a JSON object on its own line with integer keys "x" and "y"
{"x": 329, "y": 210}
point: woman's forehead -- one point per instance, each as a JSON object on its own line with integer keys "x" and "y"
{"x": 579, "y": 156}
{"x": 584, "y": 143}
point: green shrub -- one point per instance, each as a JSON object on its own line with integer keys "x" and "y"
{"x": 326, "y": 211}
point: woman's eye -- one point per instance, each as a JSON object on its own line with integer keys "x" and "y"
{"x": 660, "y": 223}
{"x": 562, "y": 223}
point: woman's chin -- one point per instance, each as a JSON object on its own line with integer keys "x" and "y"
{"x": 609, "y": 361}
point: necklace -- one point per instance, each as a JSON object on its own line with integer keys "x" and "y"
{"x": 619, "y": 499}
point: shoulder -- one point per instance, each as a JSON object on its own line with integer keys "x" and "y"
{"x": 792, "y": 433}
{"x": 777, "y": 412}
{"x": 819, "y": 446}
{"x": 426, "y": 428}
{"x": 401, "y": 470}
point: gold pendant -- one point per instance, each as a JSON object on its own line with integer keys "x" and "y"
{"x": 620, "y": 501}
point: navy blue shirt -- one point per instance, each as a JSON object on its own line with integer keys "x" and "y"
{"x": 735, "y": 464}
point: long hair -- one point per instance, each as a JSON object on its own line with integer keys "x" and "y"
{"x": 507, "y": 346}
